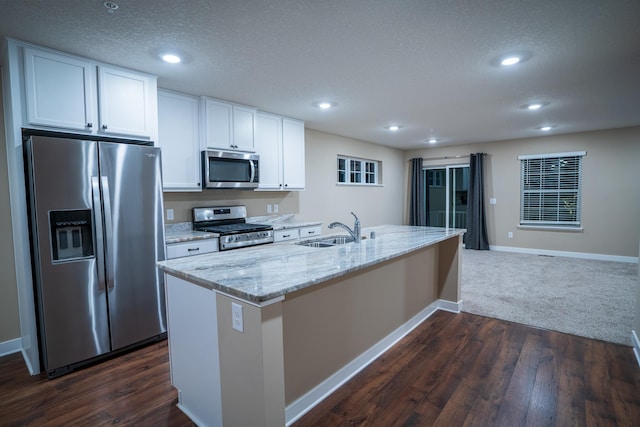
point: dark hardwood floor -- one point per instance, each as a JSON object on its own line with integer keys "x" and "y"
{"x": 453, "y": 370}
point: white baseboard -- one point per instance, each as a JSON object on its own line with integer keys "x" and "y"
{"x": 584, "y": 255}
{"x": 636, "y": 345}
{"x": 453, "y": 307}
{"x": 11, "y": 346}
{"x": 316, "y": 395}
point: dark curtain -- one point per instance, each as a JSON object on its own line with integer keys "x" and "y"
{"x": 476, "y": 237}
{"x": 417, "y": 201}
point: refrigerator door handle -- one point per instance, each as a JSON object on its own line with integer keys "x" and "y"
{"x": 97, "y": 220}
{"x": 108, "y": 231}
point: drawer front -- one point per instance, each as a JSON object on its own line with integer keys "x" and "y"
{"x": 288, "y": 234}
{"x": 310, "y": 231}
{"x": 178, "y": 250}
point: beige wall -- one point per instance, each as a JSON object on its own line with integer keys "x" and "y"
{"x": 9, "y": 316}
{"x": 322, "y": 199}
{"x": 610, "y": 193}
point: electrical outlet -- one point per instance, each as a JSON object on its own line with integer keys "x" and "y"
{"x": 510, "y": 234}
{"x": 236, "y": 314}
{"x": 268, "y": 208}
{"x": 169, "y": 214}
{"x": 275, "y": 208}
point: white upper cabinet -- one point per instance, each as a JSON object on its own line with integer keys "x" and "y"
{"x": 269, "y": 148}
{"x": 59, "y": 90}
{"x": 243, "y": 128}
{"x": 226, "y": 126}
{"x": 126, "y": 105}
{"x": 179, "y": 140}
{"x": 280, "y": 145}
{"x": 293, "y": 154}
{"x": 70, "y": 93}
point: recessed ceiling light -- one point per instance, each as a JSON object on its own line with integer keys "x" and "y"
{"x": 534, "y": 106}
{"x": 511, "y": 58}
{"x": 325, "y": 105}
{"x": 433, "y": 140}
{"x": 111, "y": 6}
{"x": 546, "y": 128}
{"x": 171, "y": 58}
{"x": 393, "y": 127}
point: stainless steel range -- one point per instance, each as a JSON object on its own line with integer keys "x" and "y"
{"x": 230, "y": 223}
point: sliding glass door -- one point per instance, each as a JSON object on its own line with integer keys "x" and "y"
{"x": 447, "y": 196}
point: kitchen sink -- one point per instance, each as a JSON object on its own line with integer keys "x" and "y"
{"x": 325, "y": 242}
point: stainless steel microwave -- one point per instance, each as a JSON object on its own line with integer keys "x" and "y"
{"x": 228, "y": 169}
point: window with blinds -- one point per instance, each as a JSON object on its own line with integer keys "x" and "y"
{"x": 550, "y": 189}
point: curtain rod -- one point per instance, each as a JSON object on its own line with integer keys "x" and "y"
{"x": 464, "y": 156}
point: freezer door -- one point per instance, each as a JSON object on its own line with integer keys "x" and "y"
{"x": 72, "y": 309}
{"x": 134, "y": 241}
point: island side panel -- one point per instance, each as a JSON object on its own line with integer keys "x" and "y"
{"x": 329, "y": 325}
{"x": 251, "y": 365}
{"x": 193, "y": 349}
{"x": 449, "y": 269}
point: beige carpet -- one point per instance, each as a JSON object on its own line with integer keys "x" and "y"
{"x": 594, "y": 299}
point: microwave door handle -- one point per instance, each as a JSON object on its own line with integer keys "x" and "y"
{"x": 108, "y": 231}
{"x": 99, "y": 233}
{"x": 253, "y": 170}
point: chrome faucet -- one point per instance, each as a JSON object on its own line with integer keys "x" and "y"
{"x": 355, "y": 233}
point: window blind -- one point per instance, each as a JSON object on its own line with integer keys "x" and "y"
{"x": 551, "y": 189}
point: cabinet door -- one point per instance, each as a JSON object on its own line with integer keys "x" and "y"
{"x": 217, "y": 124}
{"x": 179, "y": 141}
{"x": 59, "y": 90}
{"x": 126, "y": 106}
{"x": 268, "y": 143}
{"x": 243, "y": 128}
{"x": 293, "y": 154}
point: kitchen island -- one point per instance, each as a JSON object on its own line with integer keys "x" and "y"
{"x": 260, "y": 335}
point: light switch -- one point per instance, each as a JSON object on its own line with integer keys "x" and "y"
{"x": 169, "y": 214}
{"x": 268, "y": 208}
{"x": 492, "y": 201}
{"x": 275, "y": 208}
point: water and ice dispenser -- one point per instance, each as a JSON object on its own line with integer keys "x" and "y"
{"x": 71, "y": 234}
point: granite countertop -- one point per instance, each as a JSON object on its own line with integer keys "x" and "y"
{"x": 261, "y": 273}
{"x": 187, "y": 236}
{"x": 281, "y": 222}
{"x": 181, "y": 232}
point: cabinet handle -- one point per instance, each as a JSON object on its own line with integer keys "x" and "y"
{"x": 286, "y": 185}
{"x": 104, "y": 127}
{"x": 286, "y": 235}
{"x": 193, "y": 249}
{"x": 89, "y": 125}
{"x": 311, "y": 232}
{"x": 198, "y": 184}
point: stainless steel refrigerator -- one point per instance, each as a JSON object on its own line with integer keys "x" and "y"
{"x": 96, "y": 234}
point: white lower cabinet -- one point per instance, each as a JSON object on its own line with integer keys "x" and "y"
{"x": 297, "y": 233}
{"x": 197, "y": 247}
{"x": 286, "y": 234}
{"x": 313, "y": 231}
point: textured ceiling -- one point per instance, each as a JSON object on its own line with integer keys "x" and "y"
{"x": 426, "y": 65}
